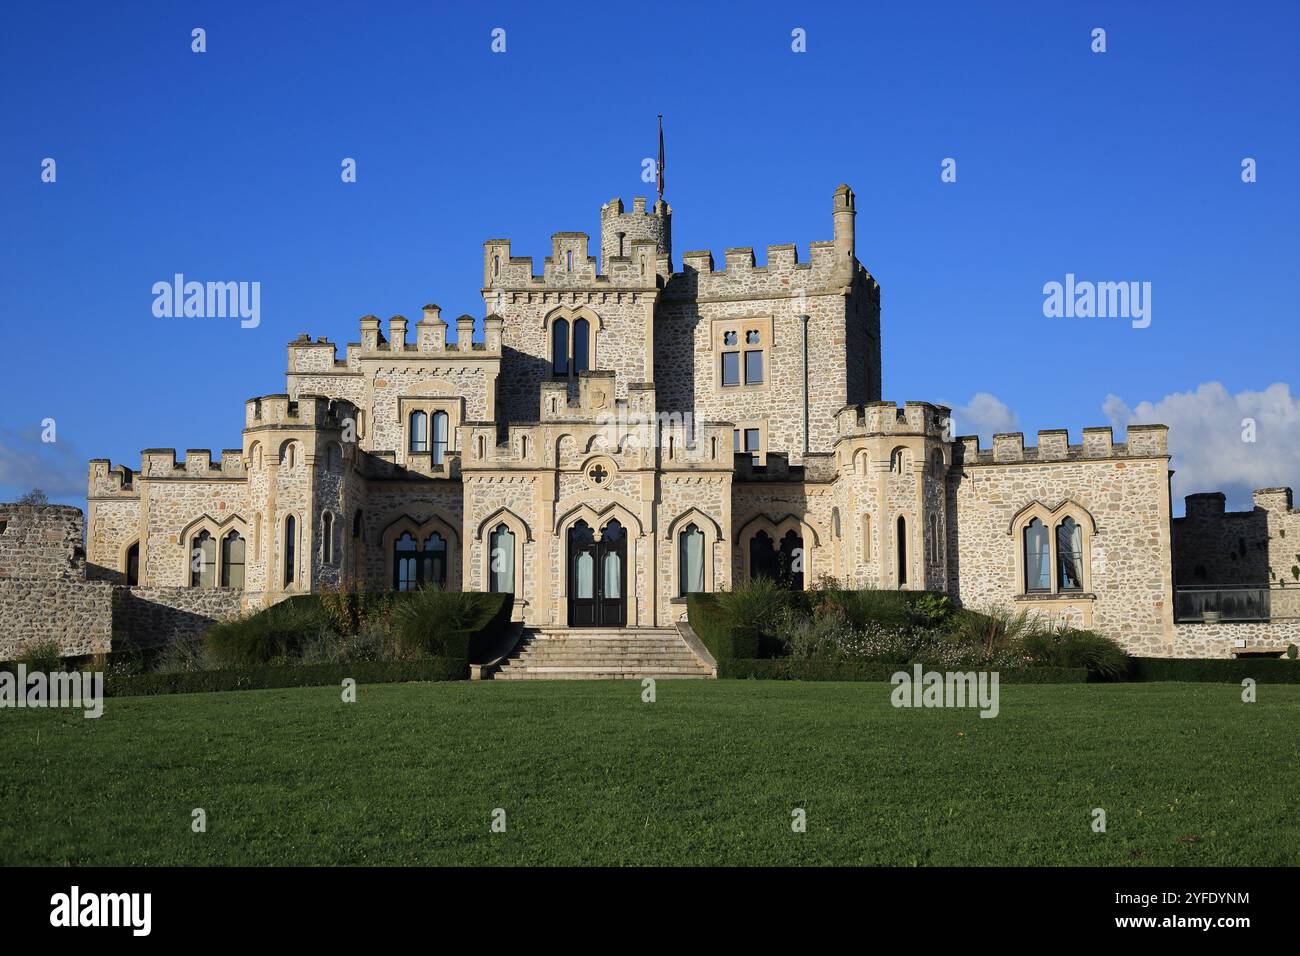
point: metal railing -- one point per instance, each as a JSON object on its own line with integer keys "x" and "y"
{"x": 1198, "y": 603}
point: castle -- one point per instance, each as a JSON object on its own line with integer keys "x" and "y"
{"x": 627, "y": 432}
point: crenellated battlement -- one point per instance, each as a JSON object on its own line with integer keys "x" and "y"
{"x": 430, "y": 340}
{"x": 307, "y": 411}
{"x": 886, "y": 418}
{"x": 1144, "y": 441}
{"x": 831, "y": 266}
{"x": 643, "y": 265}
{"x": 105, "y": 480}
{"x": 620, "y": 231}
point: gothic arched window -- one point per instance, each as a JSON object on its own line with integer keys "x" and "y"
{"x": 1038, "y": 562}
{"x": 440, "y": 422}
{"x": 560, "y": 346}
{"x": 232, "y": 560}
{"x": 690, "y": 545}
{"x": 203, "y": 561}
{"x": 419, "y": 432}
{"x": 1069, "y": 556}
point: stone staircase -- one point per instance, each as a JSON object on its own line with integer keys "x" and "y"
{"x": 582, "y": 653}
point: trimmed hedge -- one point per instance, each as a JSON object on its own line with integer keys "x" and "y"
{"x": 724, "y": 641}
{"x": 785, "y": 669}
{"x": 1265, "y": 670}
{"x": 266, "y": 677}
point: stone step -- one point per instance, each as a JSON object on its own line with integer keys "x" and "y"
{"x": 602, "y": 654}
{"x": 570, "y": 674}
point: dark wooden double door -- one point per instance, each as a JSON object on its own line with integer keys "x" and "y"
{"x": 597, "y": 575}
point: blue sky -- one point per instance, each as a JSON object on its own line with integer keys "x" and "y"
{"x": 1120, "y": 166}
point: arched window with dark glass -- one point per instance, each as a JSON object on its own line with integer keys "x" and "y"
{"x": 406, "y": 566}
{"x": 581, "y": 344}
{"x": 763, "y": 559}
{"x": 501, "y": 558}
{"x": 433, "y": 561}
{"x": 290, "y": 550}
{"x": 792, "y": 561}
{"x": 232, "y": 560}
{"x": 440, "y": 422}
{"x": 1038, "y": 560}
{"x": 900, "y": 535}
{"x": 690, "y": 544}
{"x": 419, "y": 432}
{"x": 560, "y": 346}
{"x": 133, "y": 565}
{"x": 203, "y": 561}
{"x": 1069, "y": 555}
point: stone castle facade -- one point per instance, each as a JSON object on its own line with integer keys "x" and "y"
{"x": 627, "y": 431}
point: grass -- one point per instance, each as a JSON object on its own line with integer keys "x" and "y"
{"x": 588, "y": 774}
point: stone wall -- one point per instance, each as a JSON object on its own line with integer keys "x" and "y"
{"x": 149, "y": 617}
{"x": 1220, "y": 639}
{"x": 1124, "y": 489}
{"x": 41, "y": 541}
{"x": 76, "y": 614}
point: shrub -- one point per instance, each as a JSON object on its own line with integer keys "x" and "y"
{"x": 1070, "y": 647}
{"x": 434, "y": 622}
{"x": 1226, "y": 669}
{"x": 888, "y": 609}
{"x": 271, "y": 676}
{"x": 752, "y": 608}
{"x": 42, "y": 656}
{"x": 274, "y": 634}
{"x": 814, "y": 670}
{"x": 183, "y": 657}
{"x": 994, "y": 630}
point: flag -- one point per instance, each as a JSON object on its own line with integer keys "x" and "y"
{"x": 660, "y": 168}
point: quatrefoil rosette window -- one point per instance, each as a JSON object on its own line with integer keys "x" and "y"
{"x": 599, "y": 472}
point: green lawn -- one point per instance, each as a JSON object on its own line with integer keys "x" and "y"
{"x": 588, "y": 774}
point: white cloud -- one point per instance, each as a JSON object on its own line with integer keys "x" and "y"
{"x": 984, "y": 415}
{"x": 1208, "y": 432}
{"x": 26, "y": 462}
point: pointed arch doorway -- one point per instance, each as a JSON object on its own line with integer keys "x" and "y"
{"x": 597, "y": 575}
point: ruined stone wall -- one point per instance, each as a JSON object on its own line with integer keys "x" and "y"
{"x": 41, "y": 542}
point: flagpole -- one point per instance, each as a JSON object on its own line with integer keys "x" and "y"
{"x": 660, "y": 169}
